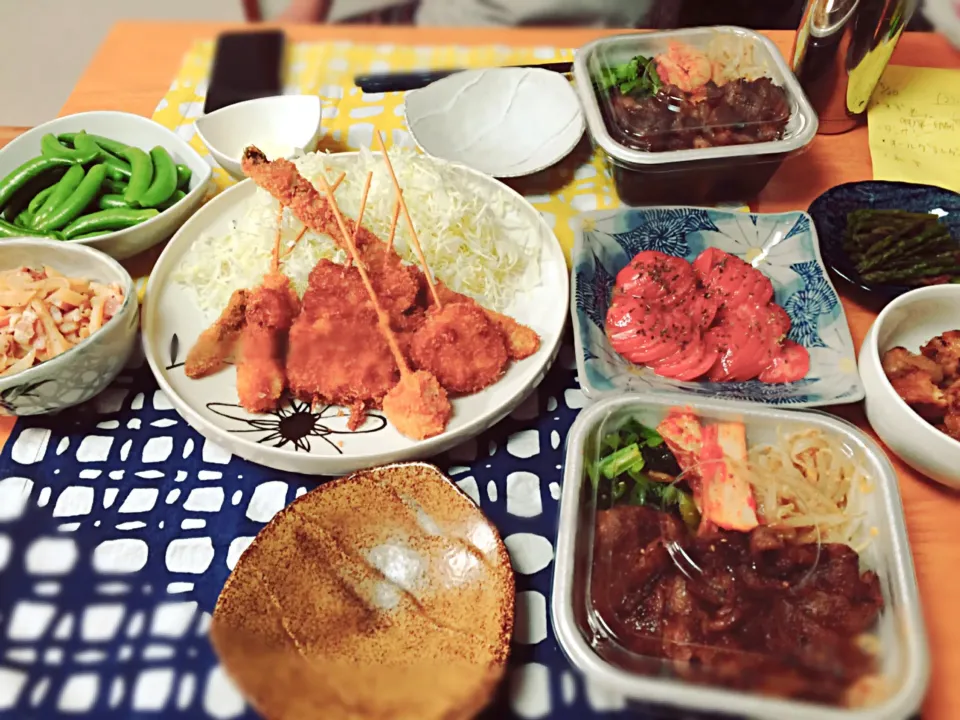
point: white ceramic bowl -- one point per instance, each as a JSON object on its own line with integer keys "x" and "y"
{"x": 132, "y": 130}
{"x": 89, "y": 367}
{"x": 910, "y": 321}
{"x": 280, "y": 126}
{"x": 505, "y": 122}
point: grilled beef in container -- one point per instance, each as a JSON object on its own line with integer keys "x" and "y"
{"x": 717, "y": 554}
{"x": 692, "y": 116}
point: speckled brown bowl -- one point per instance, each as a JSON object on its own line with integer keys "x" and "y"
{"x": 384, "y": 594}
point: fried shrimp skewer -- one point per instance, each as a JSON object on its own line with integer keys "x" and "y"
{"x": 406, "y": 214}
{"x": 417, "y": 405}
{"x": 303, "y": 230}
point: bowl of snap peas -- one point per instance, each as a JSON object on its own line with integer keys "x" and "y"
{"x": 117, "y": 182}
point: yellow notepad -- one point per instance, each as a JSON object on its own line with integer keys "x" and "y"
{"x": 914, "y": 122}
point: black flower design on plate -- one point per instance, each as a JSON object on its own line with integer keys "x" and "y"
{"x": 295, "y": 423}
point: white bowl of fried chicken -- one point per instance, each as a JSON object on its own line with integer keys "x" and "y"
{"x": 910, "y": 367}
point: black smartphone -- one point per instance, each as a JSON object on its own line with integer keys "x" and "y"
{"x": 246, "y": 66}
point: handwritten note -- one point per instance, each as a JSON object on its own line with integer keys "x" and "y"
{"x": 914, "y": 122}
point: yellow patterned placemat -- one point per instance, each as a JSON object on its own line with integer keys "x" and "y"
{"x": 350, "y": 116}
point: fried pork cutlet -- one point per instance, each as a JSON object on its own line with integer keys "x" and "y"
{"x": 216, "y": 344}
{"x": 336, "y": 352}
{"x": 270, "y": 311}
{"x": 397, "y": 285}
{"x": 461, "y": 346}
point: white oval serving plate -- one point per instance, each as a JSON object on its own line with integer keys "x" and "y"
{"x": 316, "y": 441}
{"x": 505, "y": 122}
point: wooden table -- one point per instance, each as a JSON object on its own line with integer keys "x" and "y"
{"x": 137, "y": 61}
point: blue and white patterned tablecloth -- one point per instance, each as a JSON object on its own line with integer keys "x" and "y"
{"x": 119, "y": 525}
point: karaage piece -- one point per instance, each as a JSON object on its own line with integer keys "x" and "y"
{"x": 270, "y": 311}
{"x": 216, "y": 344}
{"x": 945, "y": 351}
{"x": 522, "y": 342}
{"x": 336, "y": 353}
{"x": 920, "y": 392}
{"x": 418, "y": 406}
{"x": 898, "y": 360}
{"x": 396, "y": 284}
{"x": 461, "y": 346}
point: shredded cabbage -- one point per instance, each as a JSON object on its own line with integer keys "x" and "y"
{"x": 477, "y": 242}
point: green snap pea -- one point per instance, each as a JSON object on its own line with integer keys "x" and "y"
{"x": 118, "y": 187}
{"x": 52, "y": 148}
{"x": 10, "y": 230}
{"x": 85, "y": 144}
{"x": 117, "y": 169}
{"x": 111, "y": 200}
{"x": 114, "y": 219}
{"x": 24, "y": 219}
{"x": 39, "y": 199}
{"x": 61, "y": 193}
{"x": 183, "y": 176}
{"x": 177, "y": 196}
{"x": 69, "y": 210}
{"x": 111, "y": 146}
{"x": 27, "y": 173}
{"x": 88, "y": 235}
{"x": 164, "y": 179}
{"x": 141, "y": 167}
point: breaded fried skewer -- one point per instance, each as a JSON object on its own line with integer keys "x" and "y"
{"x": 417, "y": 405}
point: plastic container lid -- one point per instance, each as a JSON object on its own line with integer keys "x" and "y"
{"x": 691, "y": 94}
{"x": 692, "y": 568}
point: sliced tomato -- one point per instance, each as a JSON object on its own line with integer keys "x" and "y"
{"x": 739, "y": 344}
{"x": 655, "y": 276}
{"x": 689, "y": 363}
{"x": 790, "y": 365}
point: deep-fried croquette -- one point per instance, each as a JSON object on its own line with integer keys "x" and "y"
{"x": 461, "y": 346}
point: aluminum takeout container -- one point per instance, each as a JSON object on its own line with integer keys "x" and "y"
{"x": 694, "y": 176}
{"x": 904, "y": 662}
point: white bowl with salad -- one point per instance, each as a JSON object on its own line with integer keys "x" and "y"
{"x": 69, "y": 322}
{"x": 720, "y": 554}
{"x": 115, "y": 181}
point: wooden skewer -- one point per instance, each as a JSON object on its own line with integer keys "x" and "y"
{"x": 393, "y": 224}
{"x": 406, "y": 214}
{"x": 351, "y": 246}
{"x": 303, "y": 231}
{"x": 275, "y": 256}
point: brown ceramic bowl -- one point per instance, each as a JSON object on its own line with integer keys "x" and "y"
{"x": 383, "y": 595}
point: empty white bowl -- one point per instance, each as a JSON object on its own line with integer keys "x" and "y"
{"x": 86, "y": 369}
{"x": 910, "y": 321}
{"x": 133, "y": 130}
{"x": 505, "y": 122}
{"x": 281, "y": 126}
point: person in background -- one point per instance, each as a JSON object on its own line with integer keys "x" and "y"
{"x": 479, "y": 13}
{"x": 757, "y": 14}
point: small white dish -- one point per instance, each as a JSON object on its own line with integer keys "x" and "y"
{"x": 505, "y": 122}
{"x": 86, "y": 369}
{"x": 281, "y": 126}
{"x": 910, "y": 321}
{"x": 133, "y": 130}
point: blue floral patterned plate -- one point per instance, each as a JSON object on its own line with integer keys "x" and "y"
{"x": 829, "y": 213}
{"x": 782, "y": 246}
